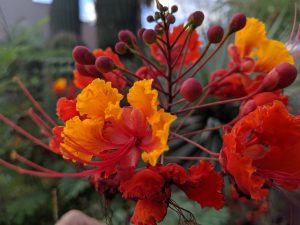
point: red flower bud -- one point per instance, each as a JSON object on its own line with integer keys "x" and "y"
{"x": 282, "y": 76}
{"x": 149, "y": 36}
{"x": 150, "y": 19}
{"x": 83, "y": 55}
{"x": 196, "y": 18}
{"x": 234, "y": 53}
{"x": 174, "y": 8}
{"x": 87, "y": 70}
{"x": 120, "y": 47}
{"x": 105, "y": 64}
{"x": 171, "y": 19}
{"x": 158, "y": 29}
{"x": 247, "y": 65}
{"x": 127, "y": 36}
{"x": 191, "y": 89}
{"x": 248, "y": 107}
{"x": 140, "y": 32}
{"x": 215, "y": 34}
{"x": 237, "y": 22}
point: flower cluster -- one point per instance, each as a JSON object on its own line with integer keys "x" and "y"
{"x": 121, "y": 123}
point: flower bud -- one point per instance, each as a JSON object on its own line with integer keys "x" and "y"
{"x": 191, "y": 89}
{"x": 237, "y": 22}
{"x": 159, "y": 6}
{"x": 156, "y": 15}
{"x": 127, "y": 36}
{"x": 120, "y": 47}
{"x": 171, "y": 19}
{"x": 248, "y": 107}
{"x": 140, "y": 32}
{"x": 149, "y": 36}
{"x": 196, "y": 18}
{"x": 234, "y": 53}
{"x": 87, "y": 70}
{"x": 215, "y": 34}
{"x": 247, "y": 65}
{"x": 282, "y": 76}
{"x": 83, "y": 55}
{"x": 150, "y": 19}
{"x": 174, "y": 8}
{"x": 158, "y": 29}
{"x": 105, "y": 64}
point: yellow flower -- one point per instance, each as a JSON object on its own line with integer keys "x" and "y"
{"x": 252, "y": 41}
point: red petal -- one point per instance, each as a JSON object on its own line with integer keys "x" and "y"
{"x": 148, "y": 212}
{"x": 66, "y": 109}
{"x": 145, "y": 184}
{"x": 204, "y": 186}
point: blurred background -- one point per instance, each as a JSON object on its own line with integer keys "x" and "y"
{"x": 36, "y": 41}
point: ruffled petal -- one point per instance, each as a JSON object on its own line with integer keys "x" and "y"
{"x": 93, "y": 101}
{"x": 250, "y": 36}
{"x": 141, "y": 96}
{"x": 148, "y": 212}
{"x": 66, "y": 109}
{"x": 82, "y": 138}
{"x": 204, "y": 185}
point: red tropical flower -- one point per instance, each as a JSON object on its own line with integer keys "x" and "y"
{"x": 262, "y": 150}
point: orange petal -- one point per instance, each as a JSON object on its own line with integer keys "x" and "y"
{"x": 250, "y": 36}
{"x": 96, "y": 98}
{"x": 82, "y": 138}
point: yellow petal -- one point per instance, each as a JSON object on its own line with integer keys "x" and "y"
{"x": 160, "y": 132}
{"x": 82, "y": 134}
{"x": 95, "y": 98}
{"x": 250, "y": 36}
{"x": 271, "y": 53}
{"x": 142, "y": 97}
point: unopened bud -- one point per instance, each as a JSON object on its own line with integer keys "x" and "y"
{"x": 149, "y": 36}
{"x": 191, "y": 89}
{"x": 158, "y": 29}
{"x": 120, "y": 47}
{"x": 83, "y": 55}
{"x": 237, "y": 22}
{"x": 282, "y": 76}
{"x": 150, "y": 19}
{"x": 174, "y": 8}
{"x": 87, "y": 70}
{"x": 171, "y": 19}
{"x": 105, "y": 64}
{"x": 248, "y": 107}
{"x": 196, "y": 18}
{"x": 140, "y": 32}
{"x": 234, "y": 53}
{"x": 215, "y": 34}
{"x": 159, "y": 6}
{"x": 127, "y": 36}
{"x": 247, "y": 65}
{"x": 156, "y": 15}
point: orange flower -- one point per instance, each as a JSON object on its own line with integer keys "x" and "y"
{"x": 59, "y": 86}
{"x": 107, "y": 131}
{"x": 252, "y": 41}
{"x": 262, "y": 149}
{"x": 193, "y": 47}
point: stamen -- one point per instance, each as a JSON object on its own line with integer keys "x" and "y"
{"x": 34, "y": 102}
{"x": 25, "y": 133}
{"x": 45, "y": 129}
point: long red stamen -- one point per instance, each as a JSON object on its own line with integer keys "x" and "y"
{"x": 16, "y": 156}
{"x": 34, "y": 102}
{"x": 25, "y": 133}
{"x": 45, "y": 129}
